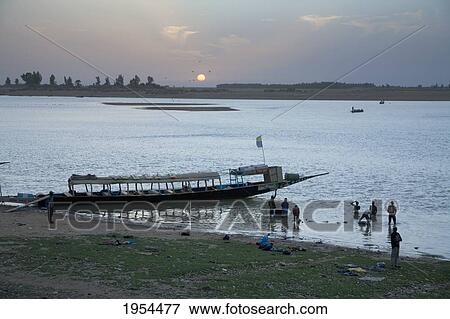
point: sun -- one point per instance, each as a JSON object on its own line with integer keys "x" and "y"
{"x": 201, "y": 77}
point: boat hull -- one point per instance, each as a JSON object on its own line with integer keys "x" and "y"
{"x": 234, "y": 192}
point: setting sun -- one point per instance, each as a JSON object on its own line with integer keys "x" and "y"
{"x": 201, "y": 77}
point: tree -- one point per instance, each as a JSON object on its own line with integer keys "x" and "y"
{"x": 78, "y": 83}
{"x": 16, "y": 81}
{"x": 8, "y": 81}
{"x": 52, "y": 80}
{"x": 97, "y": 81}
{"x": 32, "y": 79}
{"x": 107, "y": 81}
{"x": 134, "y": 82}
{"x": 68, "y": 81}
{"x": 149, "y": 80}
{"x": 119, "y": 80}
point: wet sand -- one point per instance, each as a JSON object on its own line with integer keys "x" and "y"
{"x": 31, "y": 222}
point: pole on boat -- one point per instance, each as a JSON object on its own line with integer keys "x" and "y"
{"x": 259, "y": 144}
{"x": 264, "y": 156}
{"x": 28, "y": 204}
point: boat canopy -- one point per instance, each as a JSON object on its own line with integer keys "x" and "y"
{"x": 250, "y": 170}
{"x": 188, "y": 177}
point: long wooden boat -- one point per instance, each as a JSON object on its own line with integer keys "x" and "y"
{"x": 242, "y": 182}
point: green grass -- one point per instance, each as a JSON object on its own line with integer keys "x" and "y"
{"x": 214, "y": 268}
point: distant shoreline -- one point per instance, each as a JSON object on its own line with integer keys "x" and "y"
{"x": 365, "y": 94}
{"x": 155, "y": 104}
{"x": 189, "y": 108}
{"x": 174, "y": 106}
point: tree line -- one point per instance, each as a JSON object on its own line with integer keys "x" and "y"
{"x": 315, "y": 85}
{"x": 34, "y": 79}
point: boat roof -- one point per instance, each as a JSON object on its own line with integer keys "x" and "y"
{"x": 188, "y": 177}
{"x": 250, "y": 170}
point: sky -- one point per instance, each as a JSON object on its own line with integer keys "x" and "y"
{"x": 230, "y": 41}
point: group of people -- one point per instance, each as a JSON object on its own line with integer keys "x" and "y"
{"x": 285, "y": 210}
{"x": 369, "y": 215}
{"x": 395, "y": 237}
{"x": 371, "y": 212}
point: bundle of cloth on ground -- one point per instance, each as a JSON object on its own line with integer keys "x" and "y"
{"x": 265, "y": 244}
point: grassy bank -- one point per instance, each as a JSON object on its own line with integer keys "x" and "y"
{"x": 186, "y": 267}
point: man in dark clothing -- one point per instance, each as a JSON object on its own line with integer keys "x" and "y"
{"x": 373, "y": 211}
{"x": 395, "y": 243}
{"x": 50, "y": 208}
{"x": 272, "y": 205}
{"x": 356, "y": 208}
{"x": 285, "y": 206}
{"x": 296, "y": 213}
{"x": 392, "y": 211}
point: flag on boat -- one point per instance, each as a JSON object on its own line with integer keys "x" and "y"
{"x": 259, "y": 141}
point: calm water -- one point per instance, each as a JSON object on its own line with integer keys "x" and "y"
{"x": 399, "y": 150}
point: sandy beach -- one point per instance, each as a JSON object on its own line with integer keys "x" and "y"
{"x": 373, "y": 94}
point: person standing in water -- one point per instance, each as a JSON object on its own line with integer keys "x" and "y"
{"x": 392, "y": 211}
{"x": 285, "y": 206}
{"x": 373, "y": 211}
{"x": 296, "y": 213}
{"x": 356, "y": 208}
{"x": 395, "y": 243}
{"x": 50, "y": 208}
{"x": 272, "y": 205}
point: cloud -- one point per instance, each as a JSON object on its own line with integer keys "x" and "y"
{"x": 177, "y": 32}
{"x": 232, "y": 40}
{"x": 268, "y": 20}
{"x": 189, "y": 54}
{"x": 394, "y": 22}
{"x": 319, "y": 21}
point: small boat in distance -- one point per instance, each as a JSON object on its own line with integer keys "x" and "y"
{"x": 356, "y": 110}
{"x": 382, "y": 101}
{"x": 242, "y": 182}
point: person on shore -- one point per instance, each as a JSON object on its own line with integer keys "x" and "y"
{"x": 395, "y": 243}
{"x": 356, "y": 208}
{"x": 392, "y": 211}
{"x": 285, "y": 206}
{"x": 272, "y": 205}
{"x": 296, "y": 213}
{"x": 50, "y": 208}
{"x": 373, "y": 211}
